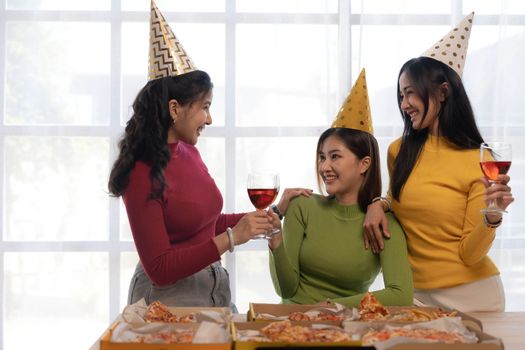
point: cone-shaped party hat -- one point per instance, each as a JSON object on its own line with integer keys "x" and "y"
{"x": 166, "y": 54}
{"x": 355, "y": 111}
{"x": 452, "y": 48}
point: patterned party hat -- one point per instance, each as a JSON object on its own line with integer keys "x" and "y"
{"x": 452, "y": 48}
{"x": 355, "y": 111}
{"x": 166, "y": 54}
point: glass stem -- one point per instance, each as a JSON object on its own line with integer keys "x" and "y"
{"x": 492, "y": 202}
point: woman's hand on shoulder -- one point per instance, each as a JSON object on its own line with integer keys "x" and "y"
{"x": 500, "y": 191}
{"x": 375, "y": 227}
{"x": 289, "y": 194}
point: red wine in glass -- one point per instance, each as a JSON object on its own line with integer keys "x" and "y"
{"x": 491, "y": 169}
{"x": 262, "y": 190}
{"x": 261, "y": 198}
{"x": 495, "y": 159}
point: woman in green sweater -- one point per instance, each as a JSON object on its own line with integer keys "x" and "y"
{"x": 320, "y": 255}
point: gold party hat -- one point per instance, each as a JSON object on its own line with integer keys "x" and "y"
{"x": 355, "y": 111}
{"x": 452, "y": 48}
{"x": 166, "y": 54}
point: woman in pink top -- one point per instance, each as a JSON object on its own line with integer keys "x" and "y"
{"x": 173, "y": 204}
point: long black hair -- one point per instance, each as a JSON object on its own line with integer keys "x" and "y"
{"x": 455, "y": 116}
{"x": 362, "y": 144}
{"x": 146, "y": 134}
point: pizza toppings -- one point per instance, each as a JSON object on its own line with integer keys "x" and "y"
{"x": 180, "y": 336}
{"x": 285, "y": 331}
{"x": 371, "y": 309}
{"x": 158, "y": 312}
{"x": 319, "y": 316}
{"x": 435, "y": 335}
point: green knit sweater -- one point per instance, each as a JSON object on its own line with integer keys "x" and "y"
{"x": 323, "y": 256}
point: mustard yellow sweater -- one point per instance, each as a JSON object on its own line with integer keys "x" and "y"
{"x": 439, "y": 210}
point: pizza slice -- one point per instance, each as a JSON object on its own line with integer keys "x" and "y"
{"x": 158, "y": 312}
{"x": 371, "y": 309}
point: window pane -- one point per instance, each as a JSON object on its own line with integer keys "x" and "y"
{"x": 56, "y": 188}
{"x": 63, "y": 5}
{"x": 128, "y": 262}
{"x": 253, "y": 281}
{"x": 204, "y": 43}
{"x": 52, "y": 77}
{"x": 289, "y": 78}
{"x": 294, "y": 159}
{"x": 489, "y": 46}
{"x": 381, "y": 73}
{"x": 50, "y": 297}
{"x": 125, "y": 229}
{"x": 287, "y": 6}
{"x": 175, "y": 5}
{"x": 401, "y": 6}
{"x": 494, "y": 7}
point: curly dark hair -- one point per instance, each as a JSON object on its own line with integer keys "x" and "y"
{"x": 146, "y": 133}
{"x": 362, "y": 144}
{"x": 456, "y": 117}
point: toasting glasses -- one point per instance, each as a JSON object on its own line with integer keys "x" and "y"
{"x": 495, "y": 159}
{"x": 262, "y": 190}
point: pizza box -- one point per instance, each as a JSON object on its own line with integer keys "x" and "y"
{"x": 252, "y": 345}
{"x": 256, "y": 309}
{"x": 107, "y": 344}
{"x": 134, "y": 313}
{"x": 467, "y": 320}
{"x": 486, "y": 342}
{"x": 285, "y": 309}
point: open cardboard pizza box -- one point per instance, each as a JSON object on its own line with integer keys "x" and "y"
{"x": 486, "y": 342}
{"x": 107, "y": 344}
{"x": 282, "y": 310}
{"x": 252, "y": 345}
{"x": 467, "y": 320}
{"x": 137, "y": 313}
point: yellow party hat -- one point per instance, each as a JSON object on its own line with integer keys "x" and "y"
{"x": 355, "y": 111}
{"x": 452, "y": 48}
{"x": 166, "y": 54}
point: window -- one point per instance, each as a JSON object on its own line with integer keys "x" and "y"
{"x": 281, "y": 69}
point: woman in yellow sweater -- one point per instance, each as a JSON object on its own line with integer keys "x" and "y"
{"x": 437, "y": 190}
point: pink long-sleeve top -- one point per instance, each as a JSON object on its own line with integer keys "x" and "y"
{"x": 174, "y": 235}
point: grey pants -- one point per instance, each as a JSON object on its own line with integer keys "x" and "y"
{"x": 208, "y": 287}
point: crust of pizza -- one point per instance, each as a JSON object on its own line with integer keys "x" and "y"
{"x": 372, "y": 337}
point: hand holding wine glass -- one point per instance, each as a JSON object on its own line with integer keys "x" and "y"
{"x": 495, "y": 160}
{"x": 262, "y": 190}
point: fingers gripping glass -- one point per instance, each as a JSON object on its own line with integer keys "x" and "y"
{"x": 262, "y": 190}
{"x": 495, "y": 159}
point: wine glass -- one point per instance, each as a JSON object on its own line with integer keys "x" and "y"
{"x": 262, "y": 190}
{"x": 495, "y": 159}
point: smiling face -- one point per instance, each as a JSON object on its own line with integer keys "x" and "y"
{"x": 414, "y": 107}
{"x": 341, "y": 171}
{"x": 190, "y": 120}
